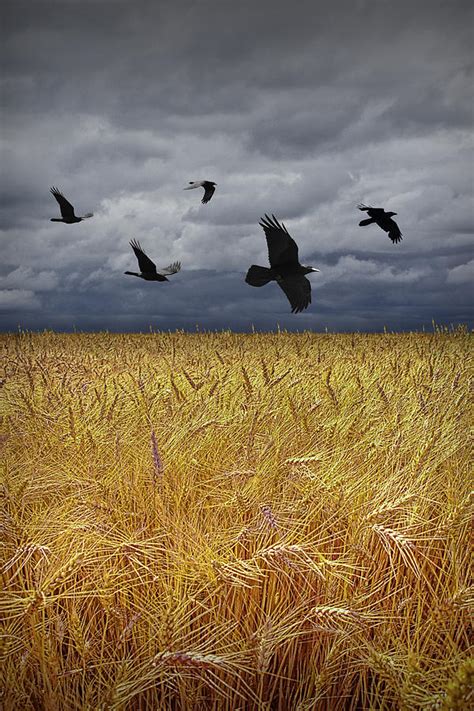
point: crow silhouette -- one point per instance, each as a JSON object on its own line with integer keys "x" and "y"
{"x": 67, "y": 210}
{"x": 285, "y": 267}
{"x": 383, "y": 220}
{"x": 148, "y": 270}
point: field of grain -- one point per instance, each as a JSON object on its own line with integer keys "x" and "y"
{"x": 226, "y": 521}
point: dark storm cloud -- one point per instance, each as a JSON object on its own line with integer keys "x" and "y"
{"x": 303, "y": 110}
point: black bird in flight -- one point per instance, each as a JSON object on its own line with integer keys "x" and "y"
{"x": 209, "y": 188}
{"x": 148, "y": 270}
{"x": 67, "y": 210}
{"x": 285, "y": 268}
{"x": 382, "y": 219}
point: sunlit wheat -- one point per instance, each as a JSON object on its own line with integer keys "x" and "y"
{"x": 235, "y": 521}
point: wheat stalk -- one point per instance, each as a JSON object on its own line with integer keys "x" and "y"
{"x": 213, "y": 388}
{"x": 193, "y": 384}
{"x": 264, "y": 648}
{"x": 277, "y": 381}
{"x": 390, "y": 506}
{"x": 304, "y": 459}
{"x": 268, "y": 516}
{"x": 158, "y": 467}
{"x": 292, "y": 556}
{"x": 64, "y": 572}
{"x": 36, "y": 602}
{"x": 332, "y": 618}
{"x": 265, "y": 373}
{"x": 239, "y": 573}
{"x": 394, "y": 541}
{"x": 126, "y": 632}
{"x": 193, "y": 660}
{"x": 247, "y": 384}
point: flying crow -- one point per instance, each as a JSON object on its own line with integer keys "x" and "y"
{"x": 209, "y": 188}
{"x": 67, "y": 210}
{"x": 382, "y": 219}
{"x": 148, "y": 270}
{"x": 285, "y": 268}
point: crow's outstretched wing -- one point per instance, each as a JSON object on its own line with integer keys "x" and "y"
{"x": 209, "y": 191}
{"x": 394, "y": 232}
{"x": 298, "y": 291}
{"x": 171, "y": 269}
{"x": 282, "y": 249}
{"x": 375, "y": 212}
{"x": 67, "y": 210}
{"x": 144, "y": 262}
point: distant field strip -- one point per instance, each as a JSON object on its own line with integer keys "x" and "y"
{"x": 217, "y": 521}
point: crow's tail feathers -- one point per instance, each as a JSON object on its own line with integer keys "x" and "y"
{"x": 259, "y": 276}
{"x": 363, "y": 223}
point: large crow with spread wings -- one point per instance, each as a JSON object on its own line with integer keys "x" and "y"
{"x": 148, "y": 270}
{"x": 285, "y": 268}
{"x": 383, "y": 220}
{"x": 209, "y": 188}
{"x": 67, "y": 210}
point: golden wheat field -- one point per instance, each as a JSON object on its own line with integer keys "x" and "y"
{"x": 226, "y": 521}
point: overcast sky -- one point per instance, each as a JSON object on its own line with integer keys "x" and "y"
{"x": 302, "y": 109}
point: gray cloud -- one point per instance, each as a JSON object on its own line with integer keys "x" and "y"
{"x": 25, "y": 276}
{"x": 301, "y": 110}
{"x": 18, "y": 300}
{"x": 462, "y": 274}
